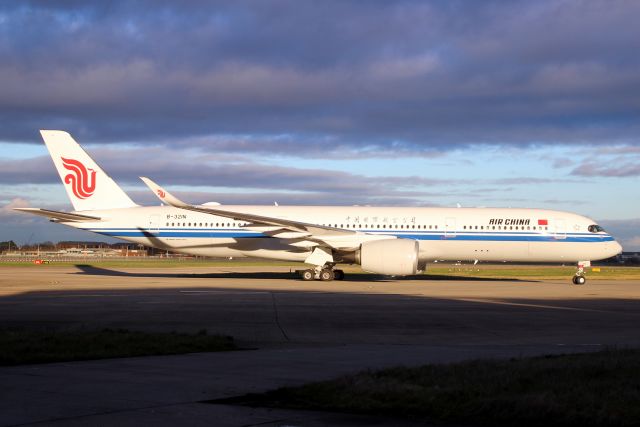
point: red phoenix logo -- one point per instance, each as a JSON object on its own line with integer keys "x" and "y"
{"x": 82, "y": 183}
{"x": 161, "y": 194}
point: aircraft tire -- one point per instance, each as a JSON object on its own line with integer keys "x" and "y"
{"x": 338, "y": 274}
{"x": 326, "y": 275}
{"x": 579, "y": 280}
{"x": 307, "y": 275}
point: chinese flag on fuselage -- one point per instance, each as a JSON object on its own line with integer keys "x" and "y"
{"x": 542, "y": 222}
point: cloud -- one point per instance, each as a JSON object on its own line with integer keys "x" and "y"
{"x": 410, "y": 76}
{"x": 8, "y": 209}
{"x": 607, "y": 169}
{"x": 203, "y": 170}
{"x": 632, "y": 243}
{"x": 175, "y": 166}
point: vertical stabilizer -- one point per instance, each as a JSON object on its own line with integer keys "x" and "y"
{"x": 87, "y": 185}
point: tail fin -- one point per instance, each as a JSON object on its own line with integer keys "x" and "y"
{"x": 88, "y": 187}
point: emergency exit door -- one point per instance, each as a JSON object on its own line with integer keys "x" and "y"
{"x": 560, "y": 229}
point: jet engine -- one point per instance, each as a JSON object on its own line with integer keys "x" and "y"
{"x": 397, "y": 257}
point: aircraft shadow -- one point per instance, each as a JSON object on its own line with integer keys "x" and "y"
{"x": 270, "y": 275}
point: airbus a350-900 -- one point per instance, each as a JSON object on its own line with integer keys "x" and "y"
{"x": 394, "y": 241}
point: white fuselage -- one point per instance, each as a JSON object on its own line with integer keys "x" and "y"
{"x": 484, "y": 234}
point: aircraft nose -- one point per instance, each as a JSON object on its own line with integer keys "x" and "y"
{"x": 614, "y": 248}
{"x": 617, "y": 247}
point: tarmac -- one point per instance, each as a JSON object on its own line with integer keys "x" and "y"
{"x": 293, "y": 332}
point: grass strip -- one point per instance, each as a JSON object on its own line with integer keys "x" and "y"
{"x": 22, "y": 346}
{"x": 594, "y": 389}
{"x": 434, "y": 271}
{"x": 541, "y": 272}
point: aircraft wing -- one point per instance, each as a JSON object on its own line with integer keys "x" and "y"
{"x": 272, "y": 226}
{"x": 59, "y": 216}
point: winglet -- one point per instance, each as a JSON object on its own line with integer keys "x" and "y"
{"x": 163, "y": 194}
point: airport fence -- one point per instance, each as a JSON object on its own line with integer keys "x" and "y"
{"x": 97, "y": 259}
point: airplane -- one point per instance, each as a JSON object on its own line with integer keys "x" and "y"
{"x": 392, "y": 241}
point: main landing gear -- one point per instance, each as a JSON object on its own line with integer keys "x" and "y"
{"x": 325, "y": 274}
{"x": 578, "y": 278}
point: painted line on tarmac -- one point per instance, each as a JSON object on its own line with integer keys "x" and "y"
{"x": 78, "y": 295}
{"x": 224, "y": 292}
{"x": 517, "y": 304}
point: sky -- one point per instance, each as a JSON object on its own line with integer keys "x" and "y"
{"x": 404, "y": 103}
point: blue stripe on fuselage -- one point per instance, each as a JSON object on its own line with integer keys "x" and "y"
{"x": 427, "y": 235}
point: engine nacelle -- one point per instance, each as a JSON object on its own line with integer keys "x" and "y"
{"x": 397, "y": 257}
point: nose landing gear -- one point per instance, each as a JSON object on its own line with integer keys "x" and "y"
{"x": 578, "y": 278}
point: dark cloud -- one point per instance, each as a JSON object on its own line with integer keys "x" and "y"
{"x": 616, "y": 162}
{"x": 627, "y": 231}
{"x": 198, "y": 170}
{"x": 382, "y": 77}
{"x": 532, "y": 180}
{"x": 593, "y": 168}
{"x": 259, "y": 182}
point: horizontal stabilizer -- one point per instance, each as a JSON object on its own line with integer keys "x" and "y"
{"x": 59, "y": 216}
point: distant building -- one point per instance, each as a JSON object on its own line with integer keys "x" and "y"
{"x": 78, "y": 249}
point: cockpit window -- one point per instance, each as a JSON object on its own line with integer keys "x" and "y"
{"x": 595, "y": 228}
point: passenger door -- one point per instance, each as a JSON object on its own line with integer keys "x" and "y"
{"x": 154, "y": 224}
{"x": 449, "y": 228}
